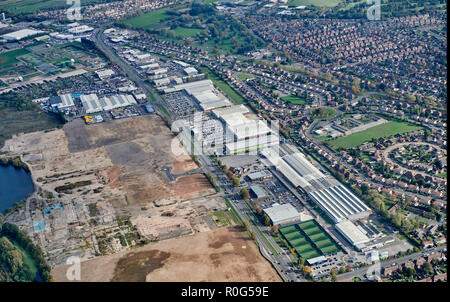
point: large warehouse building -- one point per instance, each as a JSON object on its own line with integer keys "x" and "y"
{"x": 21, "y": 34}
{"x": 352, "y": 233}
{"x": 204, "y": 93}
{"x": 92, "y": 103}
{"x": 331, "y": 196}
{"x": 282, "y": 214}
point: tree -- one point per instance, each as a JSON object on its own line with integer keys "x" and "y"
{"x": 274, "y": 229}
{"x": 247, "y": 225}
{"x": 244, "y": 193}
{"x": 266, "y": 220}
{"x": 333, "y": 275}
{"x": 235, "y": 181}
{"x": 428, "y": 268}
{"x": 301, "y": 262}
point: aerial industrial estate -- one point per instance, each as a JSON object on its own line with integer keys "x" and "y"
{"x": 284, "y": 141}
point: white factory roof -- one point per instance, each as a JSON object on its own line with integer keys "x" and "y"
{"x": 182, "y": 64}
{"x": 66, "y": 101}
{"x": 340, "y": 203}
{"x": 331, "y": 196}
{"x": 190, "y": 71}
{"x": 161, "y": 82}
{"x": 214, "y": 105}
{"x": 151, "y": 66}
{"x": 143, "y": 56}
{"x": 231, "y": 110}
{"x": 102, "y": 74}
{"x": 351, "y": 232}
{"x": 259, "y": 174}
{"x": 250, "y": 128}
{"x": 157, "y": 71}
{"x": 117, "y": 101}
{"x": 202, "y": 85}
{"x": 92, "y": 103}
{"x": 302, "y": 166}
{"x": 252, "y": 143}
{"x": 20, "y": 34}
{"x": 282, "y": 213}
{"x": 80, "y": 29}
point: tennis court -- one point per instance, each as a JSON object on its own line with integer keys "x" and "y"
{"x": 309, "y": 239}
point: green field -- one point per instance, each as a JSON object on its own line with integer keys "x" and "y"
{"x": 295, "y": 100}
{"x": 186, "y": 32}
{"x": 230, "y": 92}
{"x": 10, "y": 57}
{"x": 13, "y": 122}
{"x": 202, "y": 23}
{"x": 244, "y": 76}
{"x": 30, "y": 6}
{"x": 384, "y": 130}
{"x": 321, "y": 3}
{"x": 308, "y": 239}
{"x": 149, "y": 20}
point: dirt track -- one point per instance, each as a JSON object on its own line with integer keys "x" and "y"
{"x": 225, "y": 254}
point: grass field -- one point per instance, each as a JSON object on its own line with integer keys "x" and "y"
{"x": 230, "y": 92}
{"x": 321, "y": 3}
{"x": 244, "y": 76}
{"x": 186, "y": 32}
{"x": 295, "y": 100}
{"x": 10, "y": 57}
{"x": 149, "y": 20}
{"x": 384, "y": 130}
{"x": 13, "y": 122}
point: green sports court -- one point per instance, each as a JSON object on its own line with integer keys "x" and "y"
{"x": 309, "y": 240}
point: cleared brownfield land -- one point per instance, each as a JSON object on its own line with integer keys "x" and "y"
{"x": 225, "y": 254}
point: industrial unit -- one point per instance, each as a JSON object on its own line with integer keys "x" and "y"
{"x": 352, "y": 233}
{"x": 92, "y": 103}
{"x": 258, "y": 192}
{"x": 62, "y": 102}
{"x": 280, "y": 214}
{"x": 21, "y": 34}
{"x": 331, "y": 196}
{"x": 260, "y": 175}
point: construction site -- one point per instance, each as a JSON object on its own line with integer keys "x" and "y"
{"x": 111, "y": 186}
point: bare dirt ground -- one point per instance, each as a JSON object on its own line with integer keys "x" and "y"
{"x": 225, "y": 254}
{"x": 125, "y": 159}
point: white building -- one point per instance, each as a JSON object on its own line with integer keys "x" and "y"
{"x": 282, "y": 214}
{"x": 104, "y": 74}
{"x": 21, "y": 34}
{"x": 352, "y": 234}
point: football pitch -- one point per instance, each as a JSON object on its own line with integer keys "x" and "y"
{"x": 384, "y": 130}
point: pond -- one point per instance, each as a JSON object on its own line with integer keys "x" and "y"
{"x": 15, "y": 185}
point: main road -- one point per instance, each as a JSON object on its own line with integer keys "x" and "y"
{"x": 98, "y": 38}
{"x": 281, "y": 262}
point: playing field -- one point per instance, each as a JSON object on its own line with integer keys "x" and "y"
{"x": 308, "y": 239}
{"x": 384, "y": 130}
{"x": 149, "y": 20}
{"x": 10, "y": 57}
{"x": 230, "y": 92}
{"x": 295, "y": 100}
{"x": 186, "y": 32}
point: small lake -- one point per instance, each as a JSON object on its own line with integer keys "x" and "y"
{"x": 15, "y": 185}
